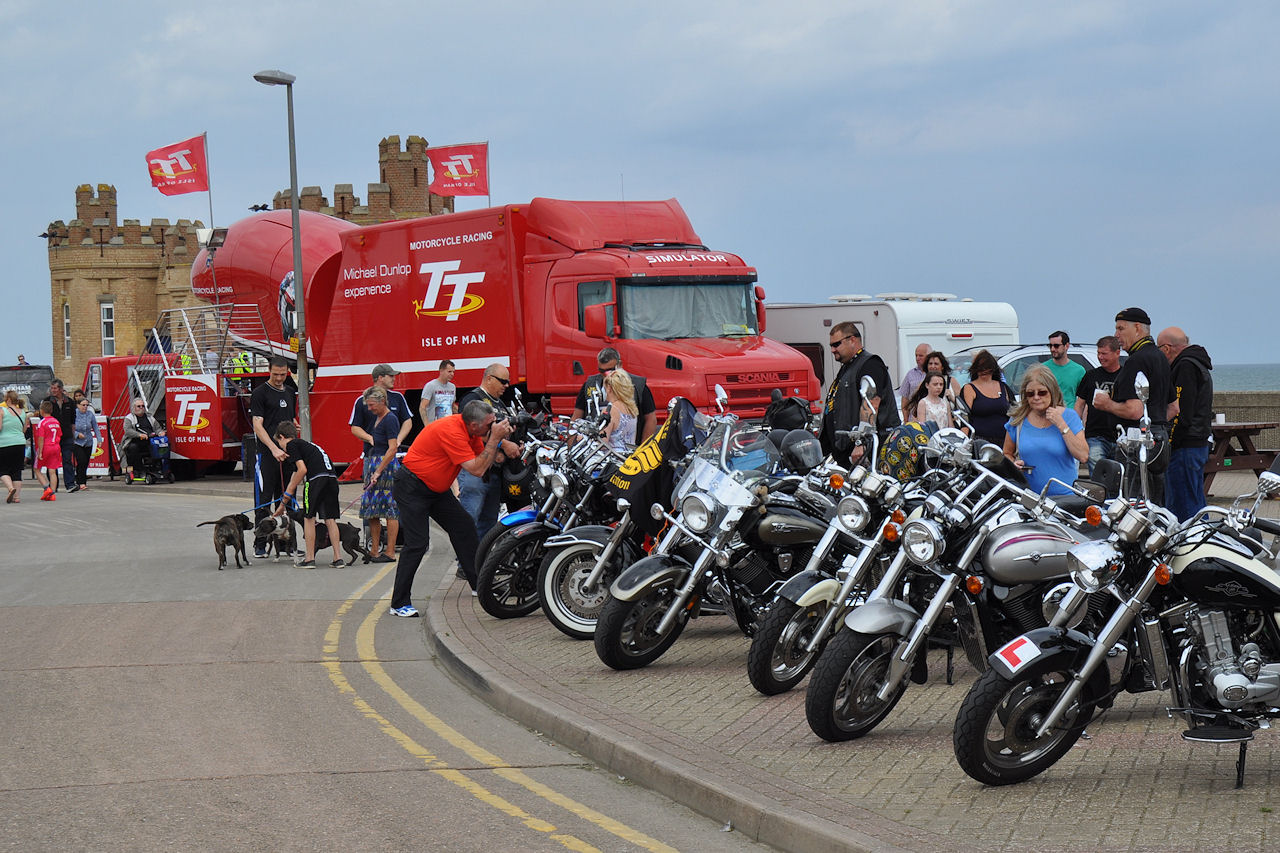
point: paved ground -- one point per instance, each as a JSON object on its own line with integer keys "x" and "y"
{"x": 691, "y": 727}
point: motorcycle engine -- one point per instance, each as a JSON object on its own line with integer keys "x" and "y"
{"x": 1235, "y": 680}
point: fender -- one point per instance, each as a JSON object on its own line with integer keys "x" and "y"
{"x": 1042, "y": 644}
{"x": 645, "y": 574}
{"x": 532, "y": 528}
{"x": 520, "y": 516}
{"x": 798, "y": 585}
{"x": 882, "y": 615}
{"x": 586, "y": 534}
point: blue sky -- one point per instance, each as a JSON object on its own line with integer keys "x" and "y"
{"x": 1071, "y": 159}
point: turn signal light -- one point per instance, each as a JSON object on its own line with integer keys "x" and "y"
{"x": 1164, "y": 574}
{"x": 836, "y": 482}
{"x": 1093, "y": 515}
{"x": 891, "y": 532}
{"x": 898, "y": 516}
{"x": 973, "y": 584}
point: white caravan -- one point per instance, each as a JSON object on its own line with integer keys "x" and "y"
{"x": 892, "y": 325}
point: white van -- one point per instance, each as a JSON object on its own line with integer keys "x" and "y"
{"x": 892, "y": 325}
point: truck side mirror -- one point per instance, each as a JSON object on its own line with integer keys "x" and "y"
{"x": 760, "y": 312}
{"x": 595, "y": 321}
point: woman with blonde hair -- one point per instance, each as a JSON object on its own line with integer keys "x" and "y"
{"x": 620, "y": 391}
{"x": 1044, "y": 437}
{"x": 13, "y": 444}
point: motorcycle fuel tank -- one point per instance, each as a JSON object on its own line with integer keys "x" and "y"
{"x": 784, "y": 526}
{"x": 1026, "y": 552}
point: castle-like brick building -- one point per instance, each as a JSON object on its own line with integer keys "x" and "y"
{"x": 110, "y": 279}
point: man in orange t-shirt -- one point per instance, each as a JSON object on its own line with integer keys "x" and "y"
{"x": 422, "y": 491}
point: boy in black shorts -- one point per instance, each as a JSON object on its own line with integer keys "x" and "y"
{"x": 319, "y": 498}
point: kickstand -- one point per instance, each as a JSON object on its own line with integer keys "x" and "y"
{"x": 951, "y": 653}
{"x": 1244, "y": 748}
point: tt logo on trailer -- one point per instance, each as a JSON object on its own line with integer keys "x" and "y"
{"x": 190, "y": 413}
{"x": 440, "y": 273}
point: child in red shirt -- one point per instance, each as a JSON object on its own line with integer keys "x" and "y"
{"x": 48, "y": 455}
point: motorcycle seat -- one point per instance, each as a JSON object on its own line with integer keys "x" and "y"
{"x": 1074, "y": 504}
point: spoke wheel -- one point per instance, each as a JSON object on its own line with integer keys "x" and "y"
{"x": 627, "y": 635}
{"x": 842, "y": 702}
{"x": 995, "y": 735}
{"x": 507, "y": 585}
{"x": 778, "y": 659}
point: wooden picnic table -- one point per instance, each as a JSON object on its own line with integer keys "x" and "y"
{"x": 1233, "y": 450}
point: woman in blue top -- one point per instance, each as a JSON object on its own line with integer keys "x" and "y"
{"x": 1043, "y": 437}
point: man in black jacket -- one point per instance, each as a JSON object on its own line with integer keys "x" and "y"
{"x": 1190, "y": 419}
{"x": 844, "y": 407}
{"x": 1133, "y": 329}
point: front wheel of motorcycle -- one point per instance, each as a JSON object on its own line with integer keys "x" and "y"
{"x": 842, "y": 702}
{"x": 627, "y": 635}
{"x": 568, "y": 604}
{"x": 778, "y": 659}
{"x": 995, "y": 736}
{"x": 507, "y": 582}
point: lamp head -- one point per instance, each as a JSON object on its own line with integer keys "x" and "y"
{"x": 274, "y": 77}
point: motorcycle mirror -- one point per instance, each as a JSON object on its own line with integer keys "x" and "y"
{"x": 867, "y": 387}
{"x": 1141, "y": 386}
{"x": 722, "y": 396}
{"x": 989, "y": 454}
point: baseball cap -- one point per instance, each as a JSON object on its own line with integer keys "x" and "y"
{"x": 385, "y": 370}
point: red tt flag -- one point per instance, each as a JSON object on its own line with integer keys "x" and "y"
{"x": 180, "y": 168}
{"x": 460, "y": 169}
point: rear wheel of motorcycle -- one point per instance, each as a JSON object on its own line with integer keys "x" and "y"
{"x": 995, "y": 735}
{"x": 627, "y": 635}
{"x": 841, "y": 702}
{"x": 507, "y": 584}
{"x": 568, "y": 605}
{"x": 778, "y": 659}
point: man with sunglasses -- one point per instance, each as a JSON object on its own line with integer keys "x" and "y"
{"x": 844, "y": 408}
{"x": 481, "y": 494}
{"x": 1067, "y": 372}
{"x": 608, "y": 361}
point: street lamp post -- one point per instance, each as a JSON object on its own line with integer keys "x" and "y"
{"x": 280, "y": 78}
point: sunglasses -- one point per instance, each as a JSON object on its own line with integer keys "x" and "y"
{"x": 503, "y": 382}
{"x": 835, "y": 344}
{"x": 1041, "y": 393}
{"x": 605, "y": 371}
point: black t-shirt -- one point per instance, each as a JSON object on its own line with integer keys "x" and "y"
{"x": 274, "y": 407}
{"x": 1097, "y": 424}
{"x": 65, "y": 412}
{"x": 311, "y": 455}
{"x": 1146, "y": 358}
{"x": 644, "y": 397}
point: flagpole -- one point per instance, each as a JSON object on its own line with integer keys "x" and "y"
{"x": 209, "y": 192}
{"x": 488, "y": 197}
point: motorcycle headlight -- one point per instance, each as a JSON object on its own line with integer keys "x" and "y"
{"x": 853, "y": 513}
{"x": 1093, "y": 565}
{"x": 559, "y": 484}
{"x": 698, "y": 512}
{"x": 923, "y": 541}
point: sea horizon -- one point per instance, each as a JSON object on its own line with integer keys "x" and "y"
{"x": 1246, "y": 377}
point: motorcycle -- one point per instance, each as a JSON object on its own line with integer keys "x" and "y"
{"x": 1198, "y": 615}
{"x": 506, "y": 582}
{"x": 715, "y": 546}
{"x": 808, "y": 607}
{"x": 983, "y": 549}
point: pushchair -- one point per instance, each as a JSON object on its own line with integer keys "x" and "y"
{"x": 154, "y": 464}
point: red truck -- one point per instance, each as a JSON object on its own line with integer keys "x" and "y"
{"x": 539, "y": 287}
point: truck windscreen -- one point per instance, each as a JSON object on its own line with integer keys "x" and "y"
{"x": 670, "y": 308}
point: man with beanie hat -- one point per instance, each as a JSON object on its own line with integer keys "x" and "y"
{"x": 1190, "y": 419}
{"x": 1133, "y": 329}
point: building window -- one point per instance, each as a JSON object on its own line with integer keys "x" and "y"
{"x": 66, "y": 330}
{"x": 108, "y": 310}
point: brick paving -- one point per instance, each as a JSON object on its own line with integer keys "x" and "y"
{"x": 691, "y": 726}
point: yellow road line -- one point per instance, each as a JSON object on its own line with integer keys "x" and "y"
{"x": 367, "y": 653}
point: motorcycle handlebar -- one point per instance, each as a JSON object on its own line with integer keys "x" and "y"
{"x": 1266, "y": 525}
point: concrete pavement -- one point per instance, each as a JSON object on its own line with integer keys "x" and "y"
{"x": 691, "y": 727}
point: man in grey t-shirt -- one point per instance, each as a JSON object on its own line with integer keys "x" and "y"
{"x": 440, "y": 395}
